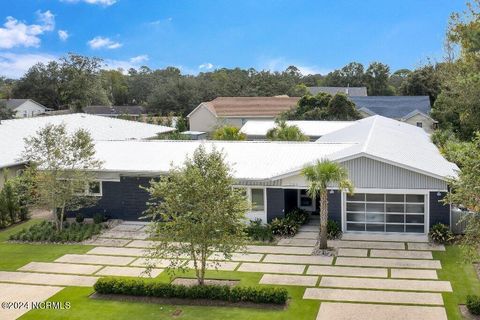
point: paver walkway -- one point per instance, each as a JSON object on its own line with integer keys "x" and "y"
{"x": 395, "y": 275}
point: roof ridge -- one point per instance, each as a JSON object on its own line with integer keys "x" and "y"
{"x": 370, "y": 133}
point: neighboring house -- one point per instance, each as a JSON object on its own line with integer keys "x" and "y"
{"x": 25, "y": 108}
{"x": 236, "y": 111}
{"x": 115, "y": 111}
{"x": 258, "y": 129}
{"x": 14, "y": 131}
{"x": 399, "y": 185}
{"x": 349, "y": 91}
{"x": 413, "y": 110}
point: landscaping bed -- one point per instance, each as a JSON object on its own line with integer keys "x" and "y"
{"x": 46, "y": 232}
{"x": 193, "y": 282}
{"x": 208, "y": 295}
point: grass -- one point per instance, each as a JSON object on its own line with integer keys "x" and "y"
{"x": 461, "y": 275}
{"x": 16, "y": 255}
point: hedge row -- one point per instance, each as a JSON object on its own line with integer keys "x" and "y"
{"x": 139, "y": 287}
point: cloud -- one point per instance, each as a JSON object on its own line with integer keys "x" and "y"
{"x": 13, "y": 65}
{"x": 205, "y": 66}
{"x": 104, "y": 3}
{"x": 160, "y": 21}
{"x": 140, "y": 58}
{"x": 63, "y": 35}
{"x": 101, "y": 42}
{"x": 18, "y": 34}
{"x": 280, "y": 64}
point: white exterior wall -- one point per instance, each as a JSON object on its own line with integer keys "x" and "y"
{"x": 9, "y": 172}
{"x": 202, "y": 120}
{"x": 427, "y": 122}
{"x": 29, "y": 109}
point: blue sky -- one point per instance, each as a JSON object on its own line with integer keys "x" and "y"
{"x": 317, "y": 36}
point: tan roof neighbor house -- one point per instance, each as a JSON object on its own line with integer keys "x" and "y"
{"x": 236, "y": 111}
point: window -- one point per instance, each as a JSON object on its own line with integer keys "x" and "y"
{"x": 420, "y": 124}
{"x": 95, "y": 188}
{"x": 304, "y": 201}
{"x": 258, "y": 201}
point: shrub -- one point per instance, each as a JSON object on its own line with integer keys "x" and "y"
{"x": 284, "y": 226}
{"x": 79, "y": 218}
{"x": 333, "y": 229}
{"x": 299, "y": 215}
{"x": 140, "y": 287}
{"x": 258, "y": 231}
{"x": 46, "y": 231}
{"x": 473, "y": 304}
{"x": 440, "y": 233}
{"x": 98, "y": 218}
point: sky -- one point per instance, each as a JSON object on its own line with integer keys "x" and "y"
{"x": 203, "y": 35}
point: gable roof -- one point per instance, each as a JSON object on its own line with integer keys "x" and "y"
{"x": 349, "y": 91}
{"x": 393, "y": 142}
{"x": 308, "y": 127}
{"x": 249, "y": 106}
{"x": 393, "y": 106}
{"x": 114, "y": 110}
{"x": 15, "y": 103}
{"x": 14, "y": 131}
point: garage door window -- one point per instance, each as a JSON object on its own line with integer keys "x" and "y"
{"x": 378, "y": 212}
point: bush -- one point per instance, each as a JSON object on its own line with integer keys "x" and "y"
{"x": 258, "y": 231}
{"x": 79, "y": 218}
{"x": 299, "y": 215}
{"x": 46, "y": 232}
{"x": 140, "y": 287}
{"x": 98, "y": 218}
{"x": 440, "y": 233}
{"x": 284, "y": 226}
{"x": 333, "y": 230}
{"x": 473, "y": 304}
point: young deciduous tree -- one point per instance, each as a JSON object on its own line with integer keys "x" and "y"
{"x": 64, "y": 166}
{"x": 319, "y": 176}
{"x": 196, "y": 211}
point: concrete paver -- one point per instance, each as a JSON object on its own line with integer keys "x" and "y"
{"x": 350, "y": 295}
{"x": 47, "y": 279}
{"x": 349, "y": 311}
{"x": 305, "y": 281}
{"x": 348, "y": 271}
{"x": 303, "y": 259}
{"x": 386, "y": 284}
{"x": 112, "y": 251}
{"x": 271, "y": 268}
{"x": 128, "y": 272}
{"x": 238, "y": 256}
{"x": 279, "y": 249}
{"x": 53, "y": 267}
{"x": 391, "y": 263}
{"x": 95, "y": 259}
{"x": 425, "y": 246}
{"x": 366, "y": 244}
{"x": 346, "y": 252}
{"x": 414, "y": 274}
{"x": 410, "y": 254}
{"x": 297, "y": 242}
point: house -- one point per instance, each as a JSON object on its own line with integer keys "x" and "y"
{"x": 14, "y": 131}
{"x": 413, "y": 110}
{"x": 24, "y": 108}
{"x": 258, "y": 129}
{"x": 115, "y": 111}
{"x": 349, "y": 91}
{"x": 399, "y": 185}
{"x": 236, "y": 111}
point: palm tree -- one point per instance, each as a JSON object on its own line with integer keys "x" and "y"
{"x": 228, "y": 133}
{"x": 319, "y": 176}
{"x": 284, "y": 132}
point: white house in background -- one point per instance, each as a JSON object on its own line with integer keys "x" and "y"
{"x": 25, "y": 108}
{"x": 257, "y": 129}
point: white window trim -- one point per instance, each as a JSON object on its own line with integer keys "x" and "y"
{"x": 87, "y": 192}
{"x": 311, "y": 208}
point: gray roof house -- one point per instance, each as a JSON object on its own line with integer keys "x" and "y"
{"x": 25, "y": 108}
{"x": 414, "y": 110}
{"x": 349, "y": 91}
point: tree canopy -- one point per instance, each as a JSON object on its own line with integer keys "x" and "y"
{"x": 284, "y": 132}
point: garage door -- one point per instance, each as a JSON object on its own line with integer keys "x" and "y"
{"x": 379, "y": 212}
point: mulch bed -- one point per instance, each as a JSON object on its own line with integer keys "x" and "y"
{"x": 466, "y": 314}
{"x": 187, "y": 302}
{"x": 188, "y": 282}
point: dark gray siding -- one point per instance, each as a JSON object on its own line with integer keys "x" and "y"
{"x": 121, "y": 200}
{"x": 335, "y": 206}
{"x": 275, "y": 203}
{"x": 439, "y": 212}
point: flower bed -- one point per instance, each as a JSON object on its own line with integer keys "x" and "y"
{"x": 46, "y": 232}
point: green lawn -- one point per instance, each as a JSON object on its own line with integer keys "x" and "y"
{"x": 12, "y": 256}
{"x": 462, "y": 276}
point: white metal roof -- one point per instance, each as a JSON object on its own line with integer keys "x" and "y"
{"x": 252, "y": 160}
{"x": 310, "y": 128}
{"x": 392, "y": 141}
{"x": 13, "y": 132}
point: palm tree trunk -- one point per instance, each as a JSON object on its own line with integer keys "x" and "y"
{"x": 323, "y": 219}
